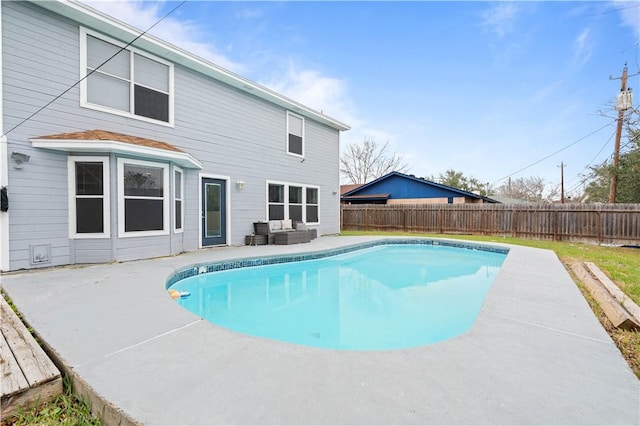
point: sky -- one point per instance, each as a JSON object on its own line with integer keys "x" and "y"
{"x": 490, "y": 89}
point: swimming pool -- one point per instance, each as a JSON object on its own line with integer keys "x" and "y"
{"x": 386, "y": 295}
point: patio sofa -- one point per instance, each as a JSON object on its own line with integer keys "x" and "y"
{"x": 285, "y": 232}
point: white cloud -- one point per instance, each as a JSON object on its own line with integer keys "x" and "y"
{"x": 311, "y": 88}
{"x": 500, "y": 19}
{"x": 582, "y": 47}
{"x": 629, "y": 14}
{"x": 184, "y": 34}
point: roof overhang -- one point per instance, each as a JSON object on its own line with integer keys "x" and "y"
{"x": 108, "y": 25}
{"x": 366, "y": 197}
{"x": 111, "y": 146}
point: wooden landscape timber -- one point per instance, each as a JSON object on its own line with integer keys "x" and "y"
{"x": 28, "y": 375}
{"x": 612, "y": 308}
{"x": 628, "y": 304}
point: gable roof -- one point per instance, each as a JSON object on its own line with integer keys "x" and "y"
{"x": 349, "y": 187}
{"x": 105, "y": 141}
{"x": 383, "y": 184}
{"x": 90, "y": 17}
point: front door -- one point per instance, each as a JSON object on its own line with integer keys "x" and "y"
{"x": 214, "y": 212}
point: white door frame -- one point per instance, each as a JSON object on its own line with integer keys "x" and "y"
{"x": 227, "y": 201}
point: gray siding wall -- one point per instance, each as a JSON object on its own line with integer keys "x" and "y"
{"x": 230, "y": 132}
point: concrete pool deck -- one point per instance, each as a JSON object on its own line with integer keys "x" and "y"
{"x": 536, "y": 354}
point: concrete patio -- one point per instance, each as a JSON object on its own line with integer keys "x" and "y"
{"x": 536, "y": 354}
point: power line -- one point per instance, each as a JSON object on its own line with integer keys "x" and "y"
{"x": 552, "y": 154}
{"x": 45, "y": 106}
{"x": 583, "y": 178}
{"x": 607, "y": 12}
{"x": 595, "y": 156}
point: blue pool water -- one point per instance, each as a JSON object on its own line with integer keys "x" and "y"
{"x": 382, "y": 297}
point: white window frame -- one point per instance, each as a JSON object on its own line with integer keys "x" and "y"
{"x": 306, "y": 204}
{"x": 177, "y": 230}
{"x": 286, "y": 199}
{"x": 291, "y": 114}
{"x": 166, "y": 197}
{"x": 106, "y": 182}
{"x": 84, "y": 32}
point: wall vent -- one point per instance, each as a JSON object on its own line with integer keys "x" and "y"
{"x": 40, "y": 253}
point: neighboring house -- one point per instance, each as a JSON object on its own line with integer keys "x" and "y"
{"x": 398, "y": 188}
{"x": 348, "y": 188}
{"x": 155, "y": 153}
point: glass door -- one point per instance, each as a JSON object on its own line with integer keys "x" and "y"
{"x": 214, "y": 212}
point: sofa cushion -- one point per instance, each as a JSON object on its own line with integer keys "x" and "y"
{"x": 301, "y": 226}
{"x": 275, "y": 225}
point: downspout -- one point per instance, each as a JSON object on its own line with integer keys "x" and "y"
{"x": 4, "y": 171}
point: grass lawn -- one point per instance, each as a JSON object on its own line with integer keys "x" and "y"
{"x": 622, "y": 265}
{"x": 65, "y": 409}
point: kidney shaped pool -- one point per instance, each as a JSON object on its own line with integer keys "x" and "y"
{"x": 394, "y": 295}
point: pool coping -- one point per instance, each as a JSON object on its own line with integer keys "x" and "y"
{"x": 245, "y": 262}
{"x": 536, "y": 355}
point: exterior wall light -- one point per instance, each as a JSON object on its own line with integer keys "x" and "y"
{"x": 240, "y": 185}
{"x": 19, "y": 158}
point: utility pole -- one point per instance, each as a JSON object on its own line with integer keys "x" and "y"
{"x": 562, "y": 182}
{"x": 623, "y": 103}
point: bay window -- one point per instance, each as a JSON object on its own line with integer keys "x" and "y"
{"x": 143, "y": 205}
{"x": 89, "y": 197}
{"x": 178, "y": 189}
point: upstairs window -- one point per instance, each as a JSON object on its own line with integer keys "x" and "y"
{"x": 295, "y": 134}
{"x": 130, "y": 83}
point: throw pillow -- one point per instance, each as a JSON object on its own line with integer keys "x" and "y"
{"x": 286, "y": 224}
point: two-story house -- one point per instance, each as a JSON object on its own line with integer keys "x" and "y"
{"x": 118, "y": 146}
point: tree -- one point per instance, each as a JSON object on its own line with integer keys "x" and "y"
{"x": 628, "y": 190}
{"x": 532, "y": 189}
{"x": 458, "y": 180}
{"x": 364, "y": 162}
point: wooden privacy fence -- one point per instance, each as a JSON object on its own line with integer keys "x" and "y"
{"x": 602, "y": 224}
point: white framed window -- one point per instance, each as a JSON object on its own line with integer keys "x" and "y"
{"x": 131, "y": 83}
{"x": 295, "y": 134}
{"x": 275, "y": 201}
{"x": 312, "y": 208}
{"x": 297, "y": 202}
{"x": 178, "y": 206}
{"x": 88, "y": 179}
{"x": 143, "y": 198}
